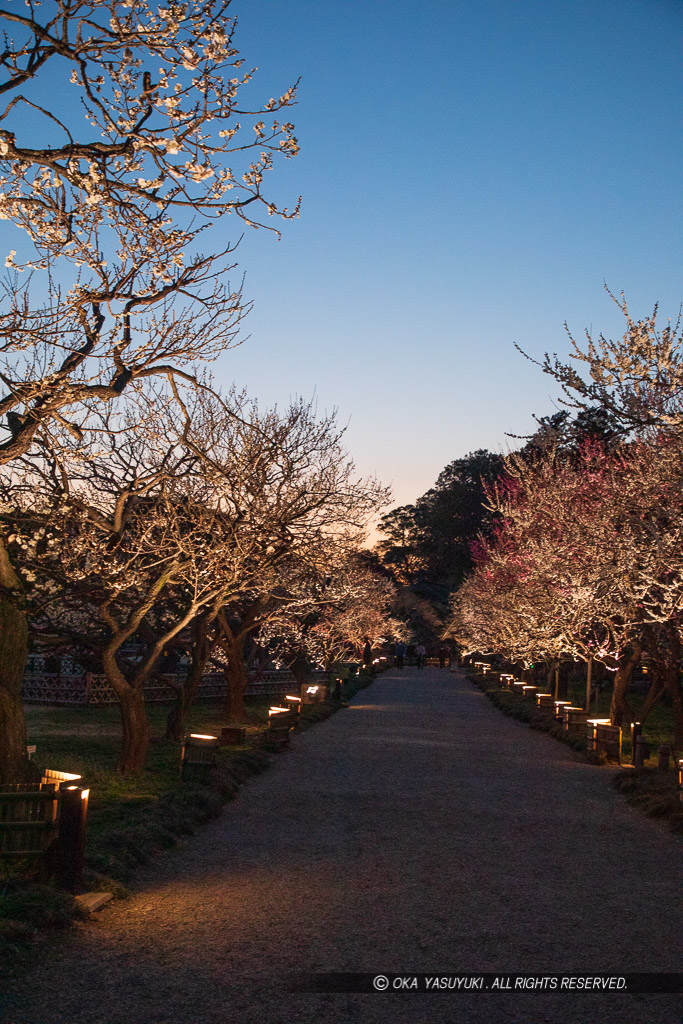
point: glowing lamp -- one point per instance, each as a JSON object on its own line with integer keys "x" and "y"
{"x": 58, "y": 779}
{"x": 560, "y": 705}
{"x": 85, "y": 793}
{"x": 198, "y": 757}
{"x": 604, "y": 738}
{"x": 313, "y": 693}
{"x": 565, "y": 713}
{"x": 293, "y": 703}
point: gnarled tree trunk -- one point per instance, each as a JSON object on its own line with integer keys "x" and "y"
{"x": 301, "y": 669}
{"x": 134, "y": 722}
{"x": 14, "y": 765}
{"x": 233, "y": 641}
{"x": 237, "y": 678}
{"x": 136, "y": 733}
{"x": 654, "y": 692}
{"x": 620, "y": 710}
{"x": 672, "y": 680}
{"x": 202, "y": 648}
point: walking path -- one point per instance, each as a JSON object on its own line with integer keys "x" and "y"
{"x": 418, "y": 831}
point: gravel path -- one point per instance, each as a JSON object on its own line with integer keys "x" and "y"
{"x": 420, "y": 830}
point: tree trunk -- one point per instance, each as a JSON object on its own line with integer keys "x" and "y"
{"x": 620, "y": 710}
{"x": 233, "y": 640}
{"x": 674, "y": 688}
{"x": 136, "y": 734}
{"x": 301, "y": 669}
{"x": 598, "y": 680}
{"x": 135, "y": 725}
{"x": 672, "y": 681}
{"x": 562, "y": 682}
{"x": 175, "y": 719}
{"x": 653, "y": 694}
{"x": 234, "y": 670}
{"x": 237, "y": 678}
{"x": 14, "y": 765}
{"x": 553, "y": 684}
{"x": 202, "y": 648}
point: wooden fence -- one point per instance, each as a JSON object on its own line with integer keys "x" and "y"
{"x": 91, "y": 688}
{"x": 45, "y": 822}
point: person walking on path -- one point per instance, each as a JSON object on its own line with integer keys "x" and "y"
{"x": 421, "y": 655}
{"x": 400, "y": 654}
{"x": 367, "y": 654}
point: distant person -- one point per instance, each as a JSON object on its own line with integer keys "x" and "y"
{"x": 421, "y": 655}
{"x": 443, "y": 656}
{"x": 400, "y": 653}
{"x": 367, "y": 653}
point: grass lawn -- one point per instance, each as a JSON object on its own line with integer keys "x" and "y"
{"x": 131, "y": 814}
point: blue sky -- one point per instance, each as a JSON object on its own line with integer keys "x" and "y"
{"x": 471, "y": 172}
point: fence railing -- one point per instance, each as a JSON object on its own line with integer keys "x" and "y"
{"x": 44, "y": 822}
{"x": 93, "y": 688}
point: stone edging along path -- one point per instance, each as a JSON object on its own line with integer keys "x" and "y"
{"x": 420, "y": 831}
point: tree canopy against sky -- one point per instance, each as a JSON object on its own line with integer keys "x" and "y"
{"x": 585, "y": 558}
{"x": 113, "y": 188}
{"x": 109, "y": 181}
{"x": 427, "y": 544}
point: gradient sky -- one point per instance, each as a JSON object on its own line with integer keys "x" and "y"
{"x": 472, "y": 173}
